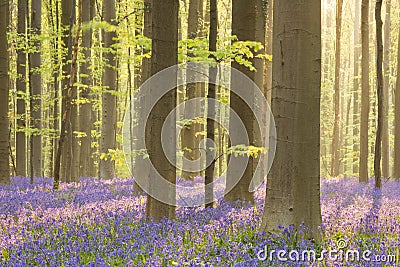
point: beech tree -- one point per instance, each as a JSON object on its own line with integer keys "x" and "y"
{"x": 293, "y": 186}
{"x": 164, "y": 55}
{"x": 363, "y": 171}
{"x": 4, "y": 89}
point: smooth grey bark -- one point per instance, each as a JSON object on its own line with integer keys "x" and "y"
{"x": 248, "y": 24}
{"x": 293, "y": 186}
{"x": 35, "y": 79}
{"x": 396, "y": 165}
{"x": 356, "y": 85}
{"x": 141, "y": 168}
{"x": 191, "y": 141}
{"x": 109, "y": 100}
{"x": 363, "y": 171}
{"x": 85, "y": 114}
{"x": 386, "y": 93}
{"x": 379, "y": 88}
{"x": 4, "y": 90}
{"x": 211, "y": 112}
{"x": 164, "y": 55}
{"x": 335, "y": 151}
{"x": 20, "y": 144}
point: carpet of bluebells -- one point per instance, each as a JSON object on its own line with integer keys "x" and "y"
{"x": 102, "y": 223}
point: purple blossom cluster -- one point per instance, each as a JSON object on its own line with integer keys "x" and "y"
{"x": 102, "y": 223}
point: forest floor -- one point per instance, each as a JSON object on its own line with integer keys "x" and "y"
{"x": 101, "y": 223}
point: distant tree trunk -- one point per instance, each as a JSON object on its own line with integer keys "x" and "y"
{"x": 109, "y": 106}
{"x": 36, "y": 92}
{"x": 4, "y": 90}
{"x": 248, "y": 25}
{"x": 356, "y": 107}
{"x": 21, "y": 91}
{"x": 363, "y": 172}
{"x": 190, "y": 142}
{"x": 85, "y": 114}
{"x": 336, "y": 128}
{"x": 164, "y": 55}
{"x": 211, "y": 112}
{"x": 379, "y": 88}
{"x": 386, "y": 93}
{"x": 396, "y": 168}
{"x": 66, "y": 116}
{"x": 141, "y": 168}
{"x": 293, "y": 188}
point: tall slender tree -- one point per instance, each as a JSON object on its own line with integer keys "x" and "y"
{"x": 164, "y": 55}
{"x": 386, "y": 94}
{"x": 356, "y": 85}
{"x": 293, "y": 187}
{"x": 4, "y": 90}
{"x": 109, "y": 99}
{"x": 86, "y": 107}
{"x": 379, "y": 88}
{"x": 20, "y": 144}
{"x": 396, "y": 165}
{"x": 337, "y": 120}
{"x": 363, "y": 171}
{"x": 209, "y": 177}
{"x": 35, "y": 86}
{"x": 190, "y": 136}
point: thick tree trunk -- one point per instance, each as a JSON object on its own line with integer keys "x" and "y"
{"x": 85, "y": 114}
{"x": 396, "y": 165}
{"x": 164, "y": 55}
{"x": 356, "y": 92}
{"x": 36, "y": 92}
{"x": 248, "y": 25}
{"x": 4, "y": 90}
{"x": 109, "y": 106}
{"x": 363, "y": 172}
{"x": 21, "y": 91}
{"x": 293, "y": 187}
{"x": 386, "y": 93}
{"x": 337, "y": 120}
{"x": 379, "y": 88}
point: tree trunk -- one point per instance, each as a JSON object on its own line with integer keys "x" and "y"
{"x": 36, "y": 92}
{"x": 363, "y": 172}
{"x": 293, "y": 187}
{"x": 164, "y": 55}
{"x": 248, "y": 25}
{"x": 386, "y": 93}
{"x": 4, "y": 90}
{"x": 211, "y": 112}
{"x": 67, "y": 21}
{"x": 190, "y": 137}
{"x": 356, "y": 107}
{"x": 85, "y": 114}
{"x": 109, "y": 106}
{"x": 66, "y": 116}
{"x": 141, "y": 168}
{"x": 21, "y": 91}
{"x": 396, "y": 168}
{"x": 336, "y": 128}
{"x": 379, "y": 88}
